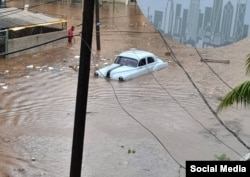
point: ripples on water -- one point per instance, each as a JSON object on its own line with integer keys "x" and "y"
{"x": 43, "y": 102}
{"x": 37, "y": 115}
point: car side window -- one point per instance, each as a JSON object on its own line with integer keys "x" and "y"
{"x": 142, "y": 62}
{"x": 151, "y": 60}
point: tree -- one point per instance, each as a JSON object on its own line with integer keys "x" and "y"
{"x": 240, "y": 94}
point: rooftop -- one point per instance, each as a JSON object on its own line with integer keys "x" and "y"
{"x": 136, "y": 54}
{"x": 13, "y": 17}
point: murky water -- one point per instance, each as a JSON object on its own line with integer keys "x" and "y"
{"x": 38, "y": 104}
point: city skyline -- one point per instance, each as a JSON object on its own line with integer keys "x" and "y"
{"x": 200, "y": 23}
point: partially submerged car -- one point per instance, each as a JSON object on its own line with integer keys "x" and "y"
{"x": 131, "y": 64}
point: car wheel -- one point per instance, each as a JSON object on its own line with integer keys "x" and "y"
{"x": 121, "y": 78}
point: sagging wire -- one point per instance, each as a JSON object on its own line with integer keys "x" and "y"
{"x": 173, "y": 98}
{"x": 8, "y": 53}
{"x": 217, "y": 75}
{"x": 196, "y": 120}
{"x": 136, "y": 120}
{"x": 190, "y": 113}
{"x": 34, "y": 46}
{"x": 202, "y": 96}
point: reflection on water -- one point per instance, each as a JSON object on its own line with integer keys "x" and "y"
{"x": 200, "y": 23}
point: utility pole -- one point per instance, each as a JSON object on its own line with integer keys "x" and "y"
{"x": 97, "y": 18}
{"x": 82, "y": 89}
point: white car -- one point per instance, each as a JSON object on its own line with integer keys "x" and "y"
{"x": 131, "y": 64}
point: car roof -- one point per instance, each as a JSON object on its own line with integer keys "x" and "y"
{"x": 136, "y": 54}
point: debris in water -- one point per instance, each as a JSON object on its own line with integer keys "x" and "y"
{"x": 74, "y": 67}
{"x": 30, "y": 66}
{"x": 5, "y": 87}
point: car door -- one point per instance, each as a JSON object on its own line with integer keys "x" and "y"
{"x": 150, "y": 63}
{"x": 142, "y": 67}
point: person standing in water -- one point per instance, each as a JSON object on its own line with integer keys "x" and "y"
{"x": 71, "y": 35}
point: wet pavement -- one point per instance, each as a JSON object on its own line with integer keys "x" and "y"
{"x": 146, "y": 127}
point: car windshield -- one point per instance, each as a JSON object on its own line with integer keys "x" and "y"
{"x": 126, "y": 61}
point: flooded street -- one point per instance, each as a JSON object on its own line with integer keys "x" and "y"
{"x": 145, "y": 127}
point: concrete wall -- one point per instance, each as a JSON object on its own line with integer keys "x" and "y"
{"x": 30, "y": 41}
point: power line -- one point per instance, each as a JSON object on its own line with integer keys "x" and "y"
{"x": 34, "y": 46}
{"x": 140, "y": 123}
{"x": 203, "y": 97}
{"x": 189, "y": 112}
{"x": 217, "y": 75}
{"x": 112, "y": 86}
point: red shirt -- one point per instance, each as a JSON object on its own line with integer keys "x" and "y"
{"x": 70, "y": 35}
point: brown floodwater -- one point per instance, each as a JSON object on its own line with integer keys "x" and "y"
{"x": 38, "y": 96}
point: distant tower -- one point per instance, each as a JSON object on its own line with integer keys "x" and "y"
{"x": 168, "y": 18}
{"x": 193, "y": 21}
{"x": 216, "y": 16}
{"x": 239, "y": 21}
{"x": 178, "y": 20}
{"x": 227, "y": 19}
{"x": 158, "y": 19}
{"x": 207, "y": 18}
{"x": 184, "y": 22}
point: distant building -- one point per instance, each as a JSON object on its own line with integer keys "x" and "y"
{"x": 216, "y": 16}
{"x": 239, "y": 22}
{"x": 168, "y": 18}
{"x": 227, "y": 18}
{"x": 193, "y": 22}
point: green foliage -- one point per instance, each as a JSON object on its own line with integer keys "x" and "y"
{"x": 222, "y": 157}
{"x": 131, "y": 151}
{"x": 240, "y": 94}
{"x": 248, "y": 65}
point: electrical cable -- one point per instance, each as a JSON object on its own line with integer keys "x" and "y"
{"x": 136, "y": 120}
{"x": 110, "y": 83}
{"x": 190, "y": 113}
{"x": 202, "y": 96}
{"x": 8, "y": 53}
{"x": 34, "y": 46}
{"x": 196, "y": 120}
{"x": 217, "y": 75}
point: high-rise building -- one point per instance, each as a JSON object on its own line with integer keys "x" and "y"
{"x": 192, "y": 21}
{"x": 177, "y": 23}
{"x": 200, "y": 23}
{"x": 216, "y": 16}
{"x": 207, "y": 18}
{"x": 245, "y": 31}
{"x": 239, "y": 21}
{"x": 227, "y": 19}
{"x": 168, "y": 18}
{"x": 184, "y": 22}
{"x": 158, "y": 19}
